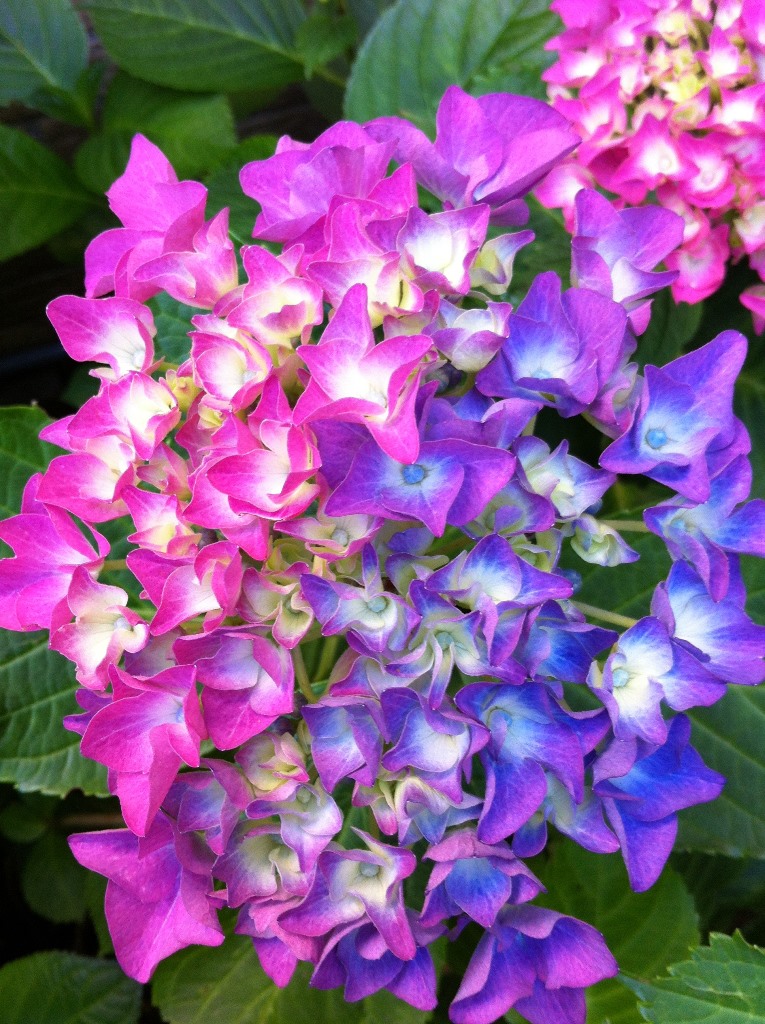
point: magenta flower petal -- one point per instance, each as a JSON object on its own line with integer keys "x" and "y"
{"x": 157, "y": 897}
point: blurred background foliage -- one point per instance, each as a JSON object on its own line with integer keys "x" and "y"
{"x": 214, "y": 83}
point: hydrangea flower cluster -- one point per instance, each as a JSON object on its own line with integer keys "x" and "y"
{"x": 346, "y": 687}
{"x": 669, "y": 98}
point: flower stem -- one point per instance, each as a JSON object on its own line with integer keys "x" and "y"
{"x": 114, "y": 564}
{"x": 301, "y": 675}
{"x": 626, "y": 525}
{"x": 328, "y": 657}
{"x": 603, "y": 615}
{"x": 372, "y": 827}
{"x": 528, "y": 430}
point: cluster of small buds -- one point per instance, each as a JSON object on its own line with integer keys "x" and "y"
{"x": 349, "y": 646}
{"x": 669, "y": 98}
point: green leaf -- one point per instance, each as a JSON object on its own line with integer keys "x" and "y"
{"x": 37, "y": 685}
{"x": 518, "y": 59}
{"x": 223, "y": 188}
{"x": 673, "y": 325}
{"x": 95, "y": 894}
{"x": 727, "y": 891}
{"x": 101, "y": 159}
{"x": 645, "y": 931}
{"x": 39, "y": 194}
{"x": 749, "y": 402}
{"x": 729, "y": 738}
{"x": 722, "y": 309}
{"x": 204, "y": 46}
{"x": 550, "y": 250}
{"x": 116, "y": 532}
{"x": 194, "y": 132}
{"x": 753, "y": 570}
{"x": 63, "y": 988}
{"x": 21, "y": 822}
{"x": 366, "y": 12}
{"x": 226, "y": 985}
{"x": 321, "y": 38}
{"x": 173, "y": 322}
{"x": 385, "y": 1008}
{"x": 53, "y": 882}
{"x": 37, "y": 688}
{"x": 419, "y": 47}
{"x": 22, "y": 453}
{"x": 43, "y": 48}
{"x": 723, "y": 983}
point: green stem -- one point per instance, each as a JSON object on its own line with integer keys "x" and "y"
{"x": 328, "y": 657}
{"x": 114, "y": 564}
{"x": 603, "y": 615}
{"x": 301, "y": 675}
{"x": 626, "y": 525}
{"x": 372, "y": 827}
{"x": 528, "y": 430}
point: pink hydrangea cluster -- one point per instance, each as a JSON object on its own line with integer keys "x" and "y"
{"x": 344, "y": 643}
{"x": 669, "y": 98}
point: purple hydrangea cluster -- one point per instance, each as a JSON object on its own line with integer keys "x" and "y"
{"x": 669, "y": 98}
{"x": 350, "y": 650}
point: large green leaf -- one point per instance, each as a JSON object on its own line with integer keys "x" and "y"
{"x": 518, "y": 59}
{"x": 550, "y": 250}
{"x": 95, "y": 894}
{"x": 729, "y": 892}
{"x": 673, "y": 325}
{"x": 173, "y": 322}
{"x": 226, "y": 985}
{"x": 729, "y": 738}
{"x": 723, "y": 983}
{"x": 750, "y": 406}
{"x": 63, "y": 988}
{"x": 419, "y": 47}
{"x": 203, "y": 45}
{"x": 195, "y": 132}
{"x": 54, "y": 884}
{"x": 37, "y": 685}
{"x": 37, "y": 688}
{"x": 223, "y": 188}
{"x": 39, "y": 194}
{"x": 43, "y": 48}
{"x": 366, "y": 12}
{"x": 26, "y": 818}
{"x": 722, "y": 309}
{"x": 323, "y": 37}
{"x": 22, "y": 453}
{"x": 385, "y": 1008}
{"x": 101, "y": 159}
{"x": 645, "y": 931}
